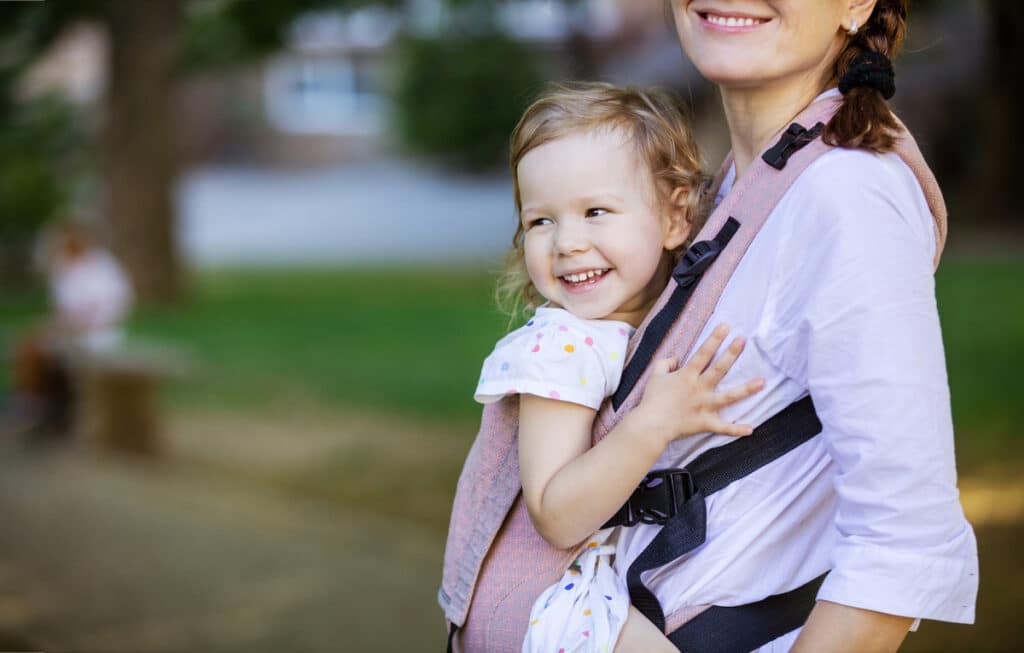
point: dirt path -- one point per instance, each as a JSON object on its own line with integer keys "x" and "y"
{"x": 282, "y": 535}
{"x": 98, "y": 554}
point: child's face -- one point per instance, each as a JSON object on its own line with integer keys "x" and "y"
{"x": 596, "y": 236}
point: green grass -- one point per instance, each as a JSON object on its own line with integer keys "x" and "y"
{"x": 410, "y": 341}
{"x": 983, "y": 331}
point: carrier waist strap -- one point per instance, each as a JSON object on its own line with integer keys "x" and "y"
{"x": 675, "y": 497}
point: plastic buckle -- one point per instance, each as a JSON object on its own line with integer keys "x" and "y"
{"x": 695, "y": 261}
{"x": 794, "y": 138}
{"x": 655, "y": 501}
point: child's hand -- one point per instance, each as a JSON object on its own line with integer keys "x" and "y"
{"x": 683, "y": 402}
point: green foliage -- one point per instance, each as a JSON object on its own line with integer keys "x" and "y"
{"x": 37, "y": 167}
{"x": 459, "y": 96}
{"x": 225, "y": 32}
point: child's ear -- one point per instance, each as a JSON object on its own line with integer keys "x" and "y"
{"x": 679, "y": 222}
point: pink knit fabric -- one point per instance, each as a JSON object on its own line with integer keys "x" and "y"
{"x": 495, "y": 563}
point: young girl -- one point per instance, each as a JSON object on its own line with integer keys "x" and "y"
{"x": 608, "y": 186}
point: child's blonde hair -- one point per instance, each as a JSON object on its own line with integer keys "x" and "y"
{"x": 652, "y": 120}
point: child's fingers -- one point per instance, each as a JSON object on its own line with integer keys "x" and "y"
{"x": 717, "y": 371}
{"x": 707, "y": 349}
{"x": 732, "y": 395}
{"x": 663, "y": 366}
{"x": 728, "y": 428}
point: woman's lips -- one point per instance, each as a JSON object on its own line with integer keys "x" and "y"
{"x": 730, "y": 22}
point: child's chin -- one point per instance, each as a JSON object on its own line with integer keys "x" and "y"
{"x": 590, "y": 312}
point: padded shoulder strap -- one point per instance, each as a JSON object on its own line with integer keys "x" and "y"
{"x": 907, "y": 149}
{"x": 751, "y": 201}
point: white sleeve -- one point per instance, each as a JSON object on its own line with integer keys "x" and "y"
{"x": 559, "y": 360}
{"x": 853, "y": 302}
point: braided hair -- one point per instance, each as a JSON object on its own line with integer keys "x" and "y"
{"x": 864, "y": 119}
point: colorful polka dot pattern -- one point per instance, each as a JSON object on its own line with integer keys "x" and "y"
{"x": 558, "y": 356}
{"x": 586, "y": 610}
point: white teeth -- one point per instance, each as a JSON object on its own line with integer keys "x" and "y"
{"x": 583, "y": 276}
{"x": 732, "y": 21}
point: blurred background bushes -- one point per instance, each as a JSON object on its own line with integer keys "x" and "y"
{"x": 457, "y": 96}
{"x": 40, "y": 162}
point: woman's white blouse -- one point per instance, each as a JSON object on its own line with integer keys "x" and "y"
{"x": 559, "y": 356}
{"x": 836, "y": 297}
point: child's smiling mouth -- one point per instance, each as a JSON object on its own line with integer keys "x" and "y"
{"x": 583, "y": 280}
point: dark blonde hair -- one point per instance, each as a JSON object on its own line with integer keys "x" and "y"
{"x": 864, "y": 120}
{"x": 653, "y": 121}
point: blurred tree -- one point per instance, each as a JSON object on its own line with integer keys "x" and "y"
{"x": 151, "y": 43}
{"x": 1002, "y": 111}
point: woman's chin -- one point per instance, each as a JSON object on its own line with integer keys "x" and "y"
{"x": 730, "y": 71}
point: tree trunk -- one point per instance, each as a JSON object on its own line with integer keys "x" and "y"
{"x": 138, "y": 137}
{"x": 1003, "y": 110}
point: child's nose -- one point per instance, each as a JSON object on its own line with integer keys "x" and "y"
{"x": 571, "y": 238}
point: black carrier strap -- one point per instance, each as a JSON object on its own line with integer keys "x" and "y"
{"x": 747, "y": 627}
{"x": 687, "y": 274}
{"x": 675, "y": 498}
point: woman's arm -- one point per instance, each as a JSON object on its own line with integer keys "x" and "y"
{"x": 857, "y": 324}
{"x": 835, "y": 628}
{"x": 571, "y": 488}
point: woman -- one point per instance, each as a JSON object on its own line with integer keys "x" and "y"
{"x": 836, "y": 298}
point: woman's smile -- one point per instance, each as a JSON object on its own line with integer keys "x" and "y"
{"x": 729, "y": 21}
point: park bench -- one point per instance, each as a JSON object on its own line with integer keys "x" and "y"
{"x": 116, "y": 395}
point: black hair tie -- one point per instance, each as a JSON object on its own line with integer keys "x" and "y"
{"x": 871, "y": 69}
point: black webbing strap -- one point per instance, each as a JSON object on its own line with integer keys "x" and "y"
{"x": 687, "y": 274}
{"x": 451, "y": 635}
{"x": 748, "y": 627}
{"x": 685, "y": 529}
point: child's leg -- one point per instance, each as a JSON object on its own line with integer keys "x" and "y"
{"x": 639, "y": 635}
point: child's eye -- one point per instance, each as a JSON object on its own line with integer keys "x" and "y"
{"x": 537, "y": 222}
{"x": 593, "y": 212}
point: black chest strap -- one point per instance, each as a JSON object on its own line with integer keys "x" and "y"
{"x": 687, "y": 275}
{"x": 675, "y": 498}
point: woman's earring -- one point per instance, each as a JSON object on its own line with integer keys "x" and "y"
{"x": 852, "y": 31}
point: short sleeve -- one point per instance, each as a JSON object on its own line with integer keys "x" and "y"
{"x": 557, "y": 356}
{"x": 854, "y": 319}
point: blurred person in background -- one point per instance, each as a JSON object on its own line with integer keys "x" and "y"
{"x": 90, "y": 296}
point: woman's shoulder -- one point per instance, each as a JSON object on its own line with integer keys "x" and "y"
{"x": 843, "y": 173}
{"x": 851, "y": 193}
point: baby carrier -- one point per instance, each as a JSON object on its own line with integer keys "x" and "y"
{"x": 496, "y": 564}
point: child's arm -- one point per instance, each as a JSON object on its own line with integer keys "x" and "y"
{"x": 571, "y": 488}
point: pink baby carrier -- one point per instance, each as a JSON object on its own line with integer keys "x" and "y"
{"x": 495, "y": 563}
